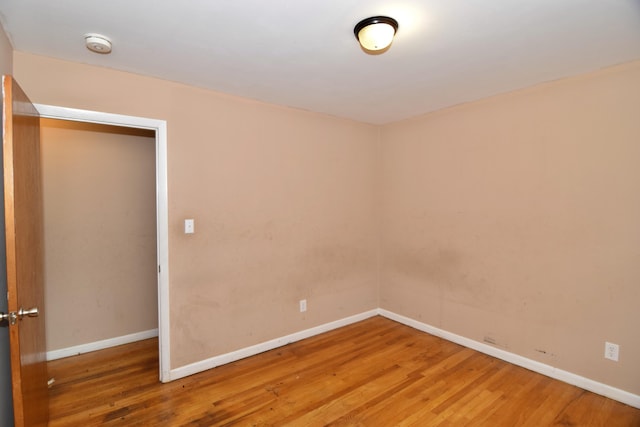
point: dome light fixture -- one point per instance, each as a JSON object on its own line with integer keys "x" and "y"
{"x": 375, "y": 34}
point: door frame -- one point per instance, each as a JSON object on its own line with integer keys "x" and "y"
{"x": 162, "y": 206}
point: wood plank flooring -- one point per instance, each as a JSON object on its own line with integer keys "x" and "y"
{"x": 372, "y": 373}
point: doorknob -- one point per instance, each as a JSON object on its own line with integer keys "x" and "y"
{"x": 32, "y": 312}
{"x": 11, "y": 317}
{"x": 14, "y": 316}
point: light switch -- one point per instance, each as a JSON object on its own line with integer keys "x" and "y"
{"x": 189, "y": 226}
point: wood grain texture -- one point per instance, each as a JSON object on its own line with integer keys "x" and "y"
{"x": 373, "y": 373}
{"x": 24, "y": 253}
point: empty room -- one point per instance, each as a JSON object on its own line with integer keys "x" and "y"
{"x": 440, "y": 226}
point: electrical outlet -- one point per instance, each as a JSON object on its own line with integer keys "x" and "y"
{"x": 611, "y": 351}
{"x": 303, "y": 305}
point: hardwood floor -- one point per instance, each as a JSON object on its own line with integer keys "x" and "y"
{"x": 372, "y": 373}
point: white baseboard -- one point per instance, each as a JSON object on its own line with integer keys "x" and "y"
{"x": 542, "y": 368}
{"x": 222, "y": 359}
{"x": 100, "y": 345}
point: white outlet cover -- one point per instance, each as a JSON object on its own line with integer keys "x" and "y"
{"x": 611, "y": 351}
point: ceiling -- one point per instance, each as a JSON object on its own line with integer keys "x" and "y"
{"x": 303, "y": 53}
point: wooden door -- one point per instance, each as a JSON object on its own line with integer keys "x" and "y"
{"x": 24, "y": 242}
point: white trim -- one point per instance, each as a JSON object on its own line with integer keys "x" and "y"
{"x": 100, "y": 345}
{"x": 162, "y": 209}
{"x": 203, "y": 365}
{"x": 76, "y": 115}
{"x": 541, "y": 368}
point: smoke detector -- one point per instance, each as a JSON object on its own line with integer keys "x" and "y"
{"x": 97, "y": 43}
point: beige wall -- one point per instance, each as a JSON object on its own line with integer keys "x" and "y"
{"x": 100, "y": 232}
{"x": 282, "y": 199}
{"x": 511, "y": 219}
{"x": 517, "y": 218}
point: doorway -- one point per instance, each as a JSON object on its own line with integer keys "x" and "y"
{"x": 99, "y": 235}
{"x": 138, "y": 128}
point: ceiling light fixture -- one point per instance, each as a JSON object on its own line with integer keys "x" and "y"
{"x": 375, "y": 34}
{"x": 97, "y": 43}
